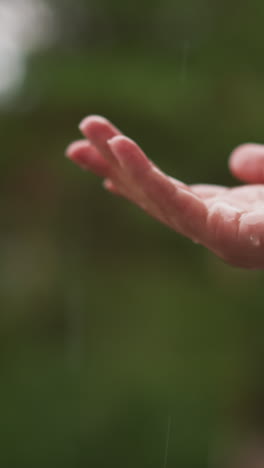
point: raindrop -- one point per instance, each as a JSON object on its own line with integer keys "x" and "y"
{"x": 254, "y": 240}
{"x": 185, "y": 56}
{"x": 25, "y": 26}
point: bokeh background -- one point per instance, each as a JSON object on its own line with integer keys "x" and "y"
{"x": 121, "y": 343}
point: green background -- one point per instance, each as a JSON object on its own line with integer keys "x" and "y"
{"x": 119, "y": 339}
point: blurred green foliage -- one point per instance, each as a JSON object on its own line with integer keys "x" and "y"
{"x": 110, "y": 324}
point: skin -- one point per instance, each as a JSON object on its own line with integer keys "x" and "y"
{"x": 227, "y": 221}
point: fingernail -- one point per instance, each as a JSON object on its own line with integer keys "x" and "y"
{"x": 91, "y": 118}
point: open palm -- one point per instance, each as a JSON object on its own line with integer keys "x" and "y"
{"x": 228, "y": 221}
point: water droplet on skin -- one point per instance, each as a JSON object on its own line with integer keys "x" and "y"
{"x": 254, "y": 240}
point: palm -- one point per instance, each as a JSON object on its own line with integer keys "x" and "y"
{"x": 230, "y": 222}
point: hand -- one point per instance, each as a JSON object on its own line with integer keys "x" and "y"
{"x": 228, "y": 221}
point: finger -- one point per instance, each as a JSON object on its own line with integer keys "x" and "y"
{"x": 129, "y": 155}
{"x": 181, "y": 209}
{"x": 247, "y": 163}
{"x": 85, "y": 155}
{"x": 98, "y": 130}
